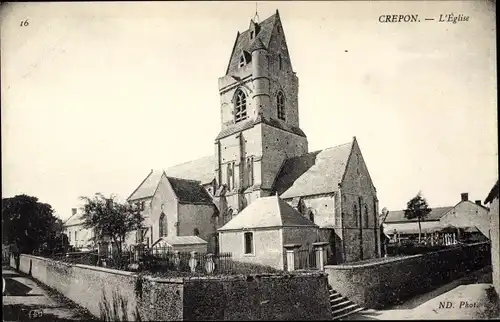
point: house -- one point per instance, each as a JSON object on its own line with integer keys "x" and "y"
{"x": 78, "y": 236}
{"x": 260, "y": 151}
{"x": 469, "y": 219}
{"x": 260, "y": 231}
{"x": 492, "y": 200}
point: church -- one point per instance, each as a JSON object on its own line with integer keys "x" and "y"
{"x": 261, "y": 151}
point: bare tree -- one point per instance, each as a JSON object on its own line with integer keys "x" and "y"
{"x": 417, "y": 208}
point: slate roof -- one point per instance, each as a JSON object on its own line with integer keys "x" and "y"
{"x": 267, "y": 212}
{"x": 399, "y": 216}
{"x": 201, "y": 170}
{"x": 189, "y": 191}
{"x": 313, "y": 173}
{"x": 243, "y": 41}
{"x": 147, "y": 187}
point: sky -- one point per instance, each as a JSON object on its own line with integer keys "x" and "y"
{"x": 95, "y": 95}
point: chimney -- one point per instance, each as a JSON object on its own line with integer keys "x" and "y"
{"x": 478, "y": 202}
{"x": 465, "y": 196}
{"x": 73, "y": 211}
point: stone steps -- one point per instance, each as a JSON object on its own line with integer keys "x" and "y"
{"x": 341, "y": 306}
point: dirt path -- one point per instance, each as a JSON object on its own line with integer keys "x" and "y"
{"x": 26, "y": 299}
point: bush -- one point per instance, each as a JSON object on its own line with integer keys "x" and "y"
{"x": 244, "y": 268}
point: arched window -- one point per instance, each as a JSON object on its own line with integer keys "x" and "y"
{"x": 163, "y": 225}
{"x": 229, "y": 176}
{"x": 311, "y": 215}
{"x": 242, "y": 61}
{"x": 250, "y": 171}
{"x": 196, "y": 232}
{"x": 240, "y": 106}
{"x": 228, "y": 215}
{"x": 280, "y": 62}
{"x": 355, "y": 214}
{"x": 280, "y": 102}
{"x": 366, "y": 216}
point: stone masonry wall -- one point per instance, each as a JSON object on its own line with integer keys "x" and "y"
{"x": 258, "y": 297}
{"x": 357, "y": 186}
{"x": 376, "y": 285}
{"x": 295, "y": 296}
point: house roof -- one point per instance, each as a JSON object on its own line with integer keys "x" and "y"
{"x": 313, "y": 173}
{"x": 267, "y": 212}
{"x": 412, "y": 227}
{"x": 243, "y": 41}
{"x": 493, "y": 194}
{"x": 73, "y": 220}
{"x": 399, "y": 215}
{"x": 189, "y": 191}
{"x": 201, "y": 170}
{"x": 180, "y": 240}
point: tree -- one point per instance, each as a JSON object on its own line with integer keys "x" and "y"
{"x": 27, "y": 223}
{"x": 110, "y": 219}
{"x": 417, "y": 208}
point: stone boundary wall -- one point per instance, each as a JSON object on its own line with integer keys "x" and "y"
{"x": 382, "y": 283}
{"x": 295, "y": 296}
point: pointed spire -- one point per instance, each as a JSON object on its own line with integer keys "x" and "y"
{"x": 257, "y": 44}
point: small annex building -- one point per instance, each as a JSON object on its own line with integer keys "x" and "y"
{"x": 260, "y": 231}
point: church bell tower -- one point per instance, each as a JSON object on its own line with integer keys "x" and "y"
{"x": 259, "y": 116}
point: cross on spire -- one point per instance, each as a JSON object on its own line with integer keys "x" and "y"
{"x": 256, "y": 17}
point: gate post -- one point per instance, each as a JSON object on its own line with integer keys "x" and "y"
{"x": 320, "y": 258}
{"x": 290, "y": 256}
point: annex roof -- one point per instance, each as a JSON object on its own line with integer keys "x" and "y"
{"x": 313, "y": 173}
{"x": 267, "y": 212}
{"x": 180, "y": 240}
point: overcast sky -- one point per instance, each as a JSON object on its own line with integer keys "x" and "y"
{"x": 94, "y": 95}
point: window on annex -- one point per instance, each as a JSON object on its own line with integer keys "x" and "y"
{"x": 248, "y": 243}
{"x": 280, "y": 102}
{"x": 163, "y": 225}
{"x": 240, "y": 110}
